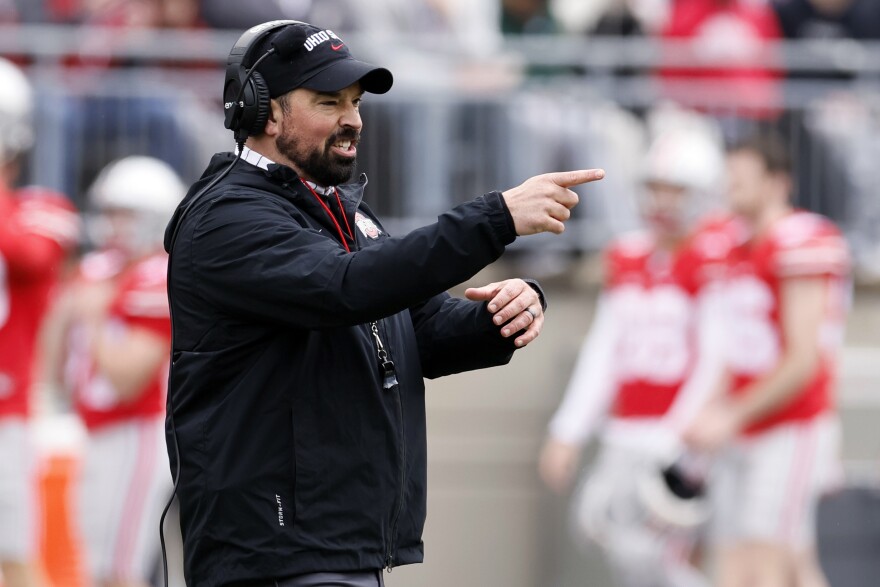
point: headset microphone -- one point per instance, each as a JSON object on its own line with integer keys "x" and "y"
{"x": 289, "y": 42}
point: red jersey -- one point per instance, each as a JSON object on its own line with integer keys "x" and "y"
{"x": 37, "y": 229}
{"x": 654, "y": 297}
{"x": 801, "y": 244}
{"x": 140, "y": 301}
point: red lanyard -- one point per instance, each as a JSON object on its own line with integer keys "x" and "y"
{"x": 333, "y": 216}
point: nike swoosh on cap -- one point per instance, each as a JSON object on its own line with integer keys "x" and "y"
{"x": 337, "y": 47}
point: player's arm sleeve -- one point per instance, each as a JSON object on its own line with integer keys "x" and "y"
{"x": 707, "y": 376}
{"x": 821, "y": 255}
{"x": 34, "y": 237}
{"x": 593, "y": 382}
{"x": 147, "y": 309}
{"x": 132, "y": 361}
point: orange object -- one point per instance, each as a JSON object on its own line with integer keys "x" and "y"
{"x": 60, "y": 553}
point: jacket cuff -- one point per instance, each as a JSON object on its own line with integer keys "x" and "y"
{"x": 538, "y": 290}
{"x": 500, "y": 217}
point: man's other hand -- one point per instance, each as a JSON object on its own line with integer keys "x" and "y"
{"x": 515, "y": 306}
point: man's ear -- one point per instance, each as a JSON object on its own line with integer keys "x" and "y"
{"x": 274, "y": 119}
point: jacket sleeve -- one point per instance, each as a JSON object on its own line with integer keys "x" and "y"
{"x": 250, "y": 257}
{"x": 456, "y": 335}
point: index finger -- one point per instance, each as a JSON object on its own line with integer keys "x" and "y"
{"x": 568, "y": 179}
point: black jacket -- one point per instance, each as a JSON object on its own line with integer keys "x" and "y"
{"x": 297, "y": 452}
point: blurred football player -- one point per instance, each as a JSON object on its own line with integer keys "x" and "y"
{"x": 116, "y": 325}
{"x": 37, "y": 230}
{"x": 775, "y": 426}
{"x": 645, "y": 368}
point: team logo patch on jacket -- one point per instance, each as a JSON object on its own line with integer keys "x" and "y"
{"x": 367, "y": 226}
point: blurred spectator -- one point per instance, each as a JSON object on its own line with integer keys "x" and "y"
{"x": 652, "y": 355}
{"x": 727, "y": 40}
{"x": 527, "y": 17}
{"x": 108, "y": 344}
{"x": 610, "y": 17}
{"x": 829, "y": 19}
{"x": 631, "y": 18}
{"x": 774, "y": 427}
{"x": 619, "y": 20}
{"x": 37, "y": 229}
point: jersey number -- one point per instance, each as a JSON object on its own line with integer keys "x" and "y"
{"x": 656, "y": 327}
{"x": 753, "y": 344}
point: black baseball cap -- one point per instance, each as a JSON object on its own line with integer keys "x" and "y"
{"x": 310, "y": 57}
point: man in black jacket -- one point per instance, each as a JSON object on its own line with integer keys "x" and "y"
{"x": 303, "y": 331}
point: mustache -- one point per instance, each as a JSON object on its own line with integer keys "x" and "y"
{"x": 346, "y": 134}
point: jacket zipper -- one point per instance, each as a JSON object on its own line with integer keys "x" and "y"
{"x": 389, "y": 382}
{"x": 392, "y": 538}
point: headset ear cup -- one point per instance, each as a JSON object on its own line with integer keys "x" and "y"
{"x": 261, "y": 105}
{"x": 231, "y": 112}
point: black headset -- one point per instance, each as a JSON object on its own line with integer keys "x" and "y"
{"x": 245, "y": 93}
{"x": 246, "y": 99}
{"x": 246, "y": 103}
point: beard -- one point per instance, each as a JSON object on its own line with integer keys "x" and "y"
{"x": 320, "y": 164}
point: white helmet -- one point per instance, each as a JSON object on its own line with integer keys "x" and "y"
{"x": 143, "y": 185}
{"x": 685, "y": 158}
{"x": 139, "y": 183}
{"x": 16, "y": 111}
